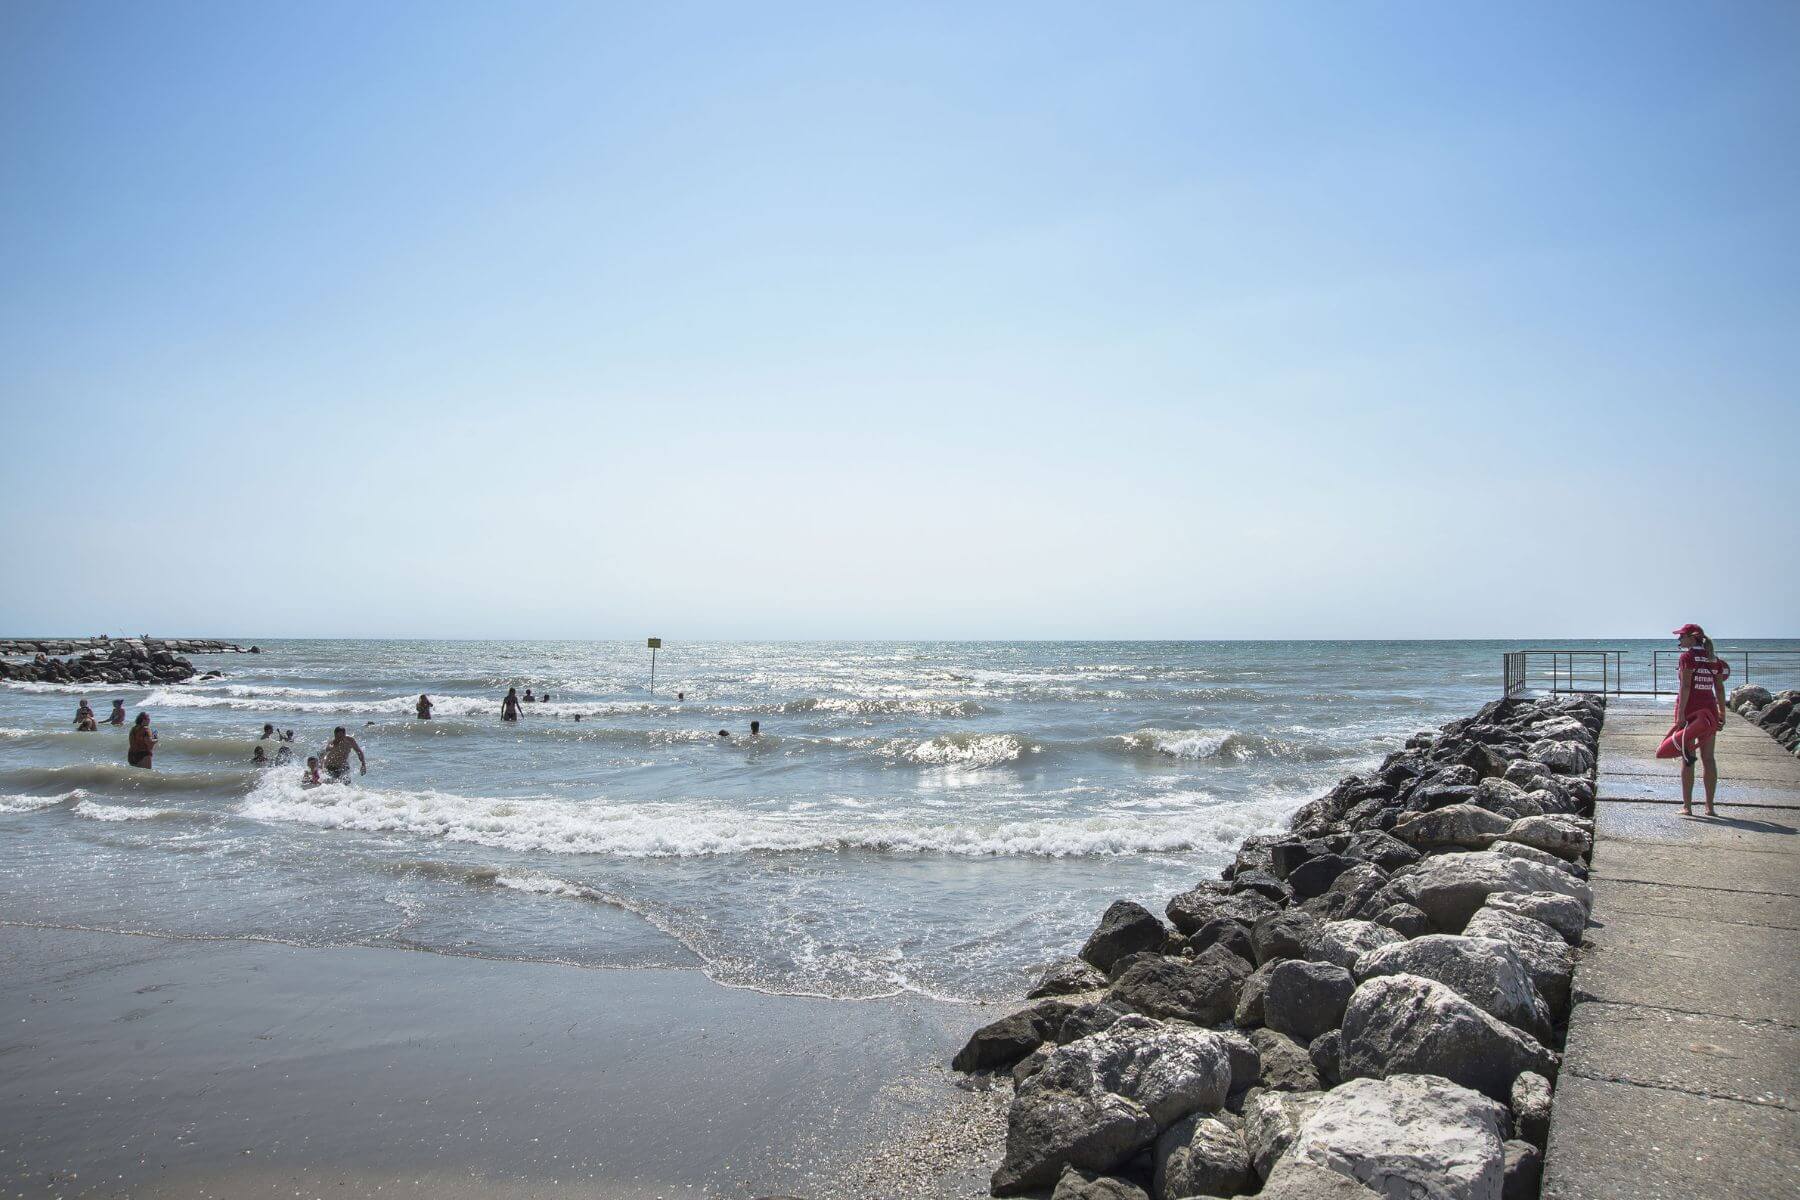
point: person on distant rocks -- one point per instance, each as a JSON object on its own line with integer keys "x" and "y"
{"x": 529, "y": 698}
{"x": 268, "y": 732}
{"x": 142, "y": 744}
{"x": 118, "y": 713}
{"x": 258, "y": 758}
{"x": 509, "y": 707}
{"x": 85, "y": 721}
{"x": 1699, "y": 713}
{"x": 423, "y": 707}
{"x": 337, "y": 756}
{"x": 311, "y": 778}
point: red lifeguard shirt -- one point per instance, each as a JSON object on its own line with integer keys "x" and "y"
{"x": 1707, "y": 673}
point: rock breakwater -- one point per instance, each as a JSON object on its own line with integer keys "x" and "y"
{"x": 1778, "y": 713}
{"x": 1370, "y": 1004}
{"x": 107, "y": 660}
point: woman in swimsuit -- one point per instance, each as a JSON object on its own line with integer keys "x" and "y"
{"x": 509, "y": 707}
{"x": 85, "y": 722}
{"x": 1699, "y": 712}
{"x": 423, "y": 707}
{"x": 142, "y": 743}
{"x": 118, "y": 713}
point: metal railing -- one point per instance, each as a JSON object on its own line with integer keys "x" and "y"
{"x": 1603, "y": 671}
{"x": 1780, "y": 663}
{"x": 1568, "y": 670}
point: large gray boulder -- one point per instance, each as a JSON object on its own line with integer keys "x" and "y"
{"x": 1382, "y": 849}
{"x": 1125, "y": 928}
{"x": 1407, "y": 1024}
{"x": 1548, "y": 959}
{"x": 1524, "y": 1171}
{"x": 1195, "y": 907}
{"x": 1567, "y": 915}
{"x": 1004, "y": 1042}
{"x": 1551, "y": 834}
{"x": 1531, "y": 1108}
{"x": 1249, "y": 1013}
{"x": 1420, "y": 1137}
{"x": 1283, "y": 935}
{"x": 1293, "y": 1179}
{"x": 1201, "y": 1156}
{"x": 1304, "y": 999}
{"x": 1565, "y": 758}
{"x": 1067, "y": 977}
{"x": 1203, "y": 989}
{"x": 1343, "y": 942}
{"x": 1450, "y": 887}
{"x": 1271, "y": 1119}
{"x": 1076, "y": 1184}
{"x": 1097, "y": 1101}
{"x": 1049, "y": 1128}
{"x": 1088, "y": 1018}
{"x": 1285, "y": 1064}
{"x": 1487, "y": 972}
{"x": 1457, "y": 825}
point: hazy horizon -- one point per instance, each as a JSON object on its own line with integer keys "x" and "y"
{"x": 801, "y": 321}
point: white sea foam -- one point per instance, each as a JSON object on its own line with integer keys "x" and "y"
{"x": 22, "y": 804}
{"x": 647, "y": 830}
{"x": 960, "y": 749}
{"x": 544, "y": 885}
{"x": 118, "y": 812}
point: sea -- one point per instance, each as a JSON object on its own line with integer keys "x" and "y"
{"x": 938, "y": 818}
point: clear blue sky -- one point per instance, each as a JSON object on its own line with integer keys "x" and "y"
{"x": 767, "y": 320}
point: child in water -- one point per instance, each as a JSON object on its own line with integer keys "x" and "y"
{"x": 311, "y": 778}
{"x": 258, "y": 758}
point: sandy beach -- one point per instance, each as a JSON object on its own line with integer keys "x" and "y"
{"x": 156, "y": 1066}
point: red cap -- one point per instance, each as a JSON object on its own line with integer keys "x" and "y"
{"x": 1690, "y": 627}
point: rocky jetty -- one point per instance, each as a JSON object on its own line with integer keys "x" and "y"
{"x": 1370, "y": 1004}
{"x": 1776, "y": 712}
{"x": 107, "y": 660}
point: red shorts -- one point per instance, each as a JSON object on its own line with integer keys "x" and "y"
{"x": 1684, "y": 740}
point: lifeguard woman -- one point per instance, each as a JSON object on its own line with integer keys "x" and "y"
{"x": 1699, "y": 712}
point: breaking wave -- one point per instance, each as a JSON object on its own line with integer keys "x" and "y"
{"x": 960, "y": 749}
{"x": 884, "y": 706}
{"x": 1226, "y": 745}
{"x": 24, "y": 803}
{"x": 119, "y": 812}
{"x": 647, "y": 830}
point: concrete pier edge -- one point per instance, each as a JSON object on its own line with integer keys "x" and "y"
{"x": 1681, "y": 1072}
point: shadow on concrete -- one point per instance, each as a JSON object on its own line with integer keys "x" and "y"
{"x": 1746, "y": 823}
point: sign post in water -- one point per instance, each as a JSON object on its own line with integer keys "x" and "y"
{"x": 655, "y": 645}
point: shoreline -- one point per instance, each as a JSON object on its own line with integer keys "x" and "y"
{"x": 253, "y": 1068}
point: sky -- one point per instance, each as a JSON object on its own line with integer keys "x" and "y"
{"x": 1209, "y": 320}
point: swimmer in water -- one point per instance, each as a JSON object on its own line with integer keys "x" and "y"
{"x": 258, "y": 758}
{"x": 337, "y": 756}
{"x": 311, "y": 778}
{"x": 142, "y": 743}
{"x": 85, "y": 721}
{"x": 267, "y": 733}
{"x": 529, "y": 698}
{"x": 423, "y": 707}
{"x": 118, "y": 713}
{"x": 509, "y": 707}
{"x": 756, "y": 729}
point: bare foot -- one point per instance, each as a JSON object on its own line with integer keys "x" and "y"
{"x": 1687, "y": 810}
{"x": 1710, "y": 812}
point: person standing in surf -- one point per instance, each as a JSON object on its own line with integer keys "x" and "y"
{"x": 85, "y": 721}
{"x": 337, "y": 756}
{"x": 509, "y": 707}
{"x": 1699, "y": 714}
{"x": 423, "y": 707}
{"x": 118, "y": 713}
{"x": 141, "y": 744}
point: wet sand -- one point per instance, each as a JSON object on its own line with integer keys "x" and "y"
{"x": 146, "y": 1066}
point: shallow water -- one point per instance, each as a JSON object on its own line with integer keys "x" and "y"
{"x": 936, "y": 817}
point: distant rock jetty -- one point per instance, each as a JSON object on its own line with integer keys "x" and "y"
{"x": 1369, "y": 1005}
{"x": 1778, "y": 713}
{"x": 107, "y": 660}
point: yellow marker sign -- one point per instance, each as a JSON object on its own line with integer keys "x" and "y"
{"x": 655, "y": 643}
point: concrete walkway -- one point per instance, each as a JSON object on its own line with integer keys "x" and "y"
{"x": 1681, "y": 1076}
